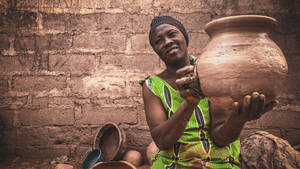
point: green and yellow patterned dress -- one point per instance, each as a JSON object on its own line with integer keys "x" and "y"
{"x": 194, "y": 149}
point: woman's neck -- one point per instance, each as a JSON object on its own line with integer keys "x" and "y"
{"x": 169, "y": 74}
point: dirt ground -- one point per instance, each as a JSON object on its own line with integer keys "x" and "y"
{"x": 21, "y": 163}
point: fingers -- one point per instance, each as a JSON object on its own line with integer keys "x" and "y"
{"x": 261, "y": 104}
{"x": 253, "y": 106}
{"x": 246, "y": 105}
{"x": 235, "y": 108}
{"x": 188, "y": 92}
{"x": 257, "y": 105}
{"x": 271, "y": 105}
{"x": 185, "y": 70}
{"x": 191, "y": 95}
{"x": 184, "y": 80}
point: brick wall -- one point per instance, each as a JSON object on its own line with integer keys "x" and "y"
{"x": 69, "y": 66}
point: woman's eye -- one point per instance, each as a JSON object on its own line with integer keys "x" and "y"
{"x": 172, "y": 34}
{"x": 158, "y": 41}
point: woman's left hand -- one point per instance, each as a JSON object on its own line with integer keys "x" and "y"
{"x": 252, "y": 107}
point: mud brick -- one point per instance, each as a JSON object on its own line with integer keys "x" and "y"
{"x": 100, "y": 115}
{"x": 193, "y": 22}
{"x": 30, "y": 83}
{"x": 61, "y": 116}
{"x": 45, "y": 117}
{"x": 140, "y": 43}
{"x": 4, "y": 41}
{"x": 100, "y": 41}
{"x": 5, "y": 22}
{"x": 92, "y": 4}
{"x": 7, "y": 118}
{"x": 24, "y": 42}
{"x": 16, "y": 63}
{"x": 141, "y": 23}
{"x": 197, "y": 42}
{"x": 61, "y": 41}
{"x": 293, "y": 136}
{"x": 8, "y": 136}
{"x": 46, "y": 4}
{"x": 283, "y": 119}
{"x": 61, "y": 102}
{"x": 67, "y": 135}
{"x": 33, "y": 117}
{"x": 26, "y": 19}
{"x": 23, "y": 4}
{"x": 58, "y": 22}
{"x": 108, "y": 22}
{"x": 8, "y": 151}
{"x": 83, "y": 23}
{"x": 5, "y": 103}
{"x": 43, "y": 41}
{"x": 146, "y": 62}
{"x": 76, "y": 64}
{"x": 39, "y": 102}
{"x": 137, "y": 137}
{"x": 12, "y": 103}
{"x": 3, "y": 85}
{"x": 180, "y": 5}
{"x": 258, "y": 5}
{"x": 33, "y": 136}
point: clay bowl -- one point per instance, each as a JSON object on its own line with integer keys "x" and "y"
{"x": 114, "y": 165}
{"x": 111, "y": 140}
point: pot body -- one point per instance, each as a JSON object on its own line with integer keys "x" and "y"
{"x": 239, "y": 59}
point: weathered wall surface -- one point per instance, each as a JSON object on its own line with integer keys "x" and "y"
{"x": 69, "y": 66}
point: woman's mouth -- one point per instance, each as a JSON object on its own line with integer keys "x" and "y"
{"x": 172, "y": 51}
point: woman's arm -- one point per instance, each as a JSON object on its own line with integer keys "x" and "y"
{"x": 165, "y": 132}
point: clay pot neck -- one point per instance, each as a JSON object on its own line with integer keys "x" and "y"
{"x": 241, "y": 23}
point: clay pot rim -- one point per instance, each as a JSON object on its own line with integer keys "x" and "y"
{"x": 113, "y": 163}
{"x": 121, "y": 134}
{"x": 239, "y": 21}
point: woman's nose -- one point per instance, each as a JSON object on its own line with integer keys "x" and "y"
{"x": 168, "y": 42}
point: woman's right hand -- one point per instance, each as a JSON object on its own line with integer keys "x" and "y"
{"x": 184, "y": 79}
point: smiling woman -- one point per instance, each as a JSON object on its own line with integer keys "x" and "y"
{"x": 189, "y": 130}
{"x": 178, "y": 117}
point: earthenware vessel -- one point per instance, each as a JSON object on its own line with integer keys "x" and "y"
{"x": 133, "y": 157}
{"x": 150, "y": 151}
{"x": 240, "y": 58}
{"x": 111, "y": 139}
{"x": 114, "y": 165}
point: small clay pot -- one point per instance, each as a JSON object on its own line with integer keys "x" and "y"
{"x": 113, "y": 165}
{"x": 239, "y": 59}
{"x": 150, "y": 151}
{"x": 144, "y": 167}
{"x": 134, "y": 157}
{"x": 111, "y": 140}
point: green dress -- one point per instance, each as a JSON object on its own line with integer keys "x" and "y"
{"x": 194, "y": 149}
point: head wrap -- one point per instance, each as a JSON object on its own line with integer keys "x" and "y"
{"x": 159, "y": 20}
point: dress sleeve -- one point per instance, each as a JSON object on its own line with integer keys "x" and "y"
{"x": 150, "y": 83}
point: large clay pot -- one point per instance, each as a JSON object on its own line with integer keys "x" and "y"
{"x": 239, "y": 59}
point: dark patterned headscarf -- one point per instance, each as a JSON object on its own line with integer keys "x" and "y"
{"x": 159, "y": 20}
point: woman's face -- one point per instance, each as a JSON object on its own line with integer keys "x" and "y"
{"x": 169, "y": 43}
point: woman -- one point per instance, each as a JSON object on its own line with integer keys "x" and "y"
{"x": 190, "y": 131}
